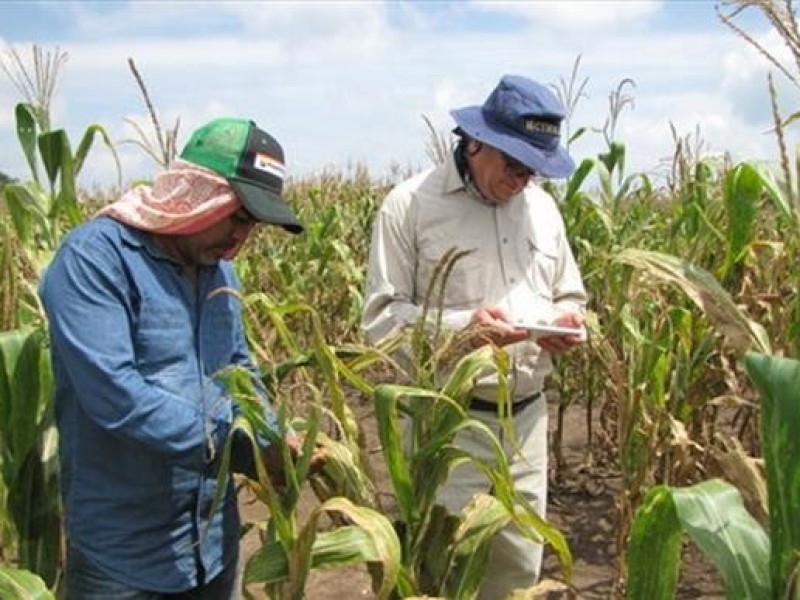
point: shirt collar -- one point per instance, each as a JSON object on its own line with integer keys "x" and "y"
{"x": 136, "y": 238}
{"x": 452, "y": 179}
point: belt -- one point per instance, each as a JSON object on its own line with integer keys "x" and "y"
{"x": 516, "y": 407}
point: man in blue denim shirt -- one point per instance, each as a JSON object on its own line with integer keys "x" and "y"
{"x": 141, "y": 324}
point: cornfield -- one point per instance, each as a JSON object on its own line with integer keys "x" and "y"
{"x": 688, "y": 377}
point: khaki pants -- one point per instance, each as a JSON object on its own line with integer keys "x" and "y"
{"x": 515, "y": 561}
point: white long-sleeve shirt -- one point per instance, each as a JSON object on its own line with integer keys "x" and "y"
{"x": 521, "y": 261}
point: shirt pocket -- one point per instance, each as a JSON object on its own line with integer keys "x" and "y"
{"x": 217, "y": 335}
{"x": 542, "y": 265}
{"x": 465, "y": 285}
{"x": 163, "y": 341}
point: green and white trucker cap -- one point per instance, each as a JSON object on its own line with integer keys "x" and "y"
{"x": 252, "y": 162}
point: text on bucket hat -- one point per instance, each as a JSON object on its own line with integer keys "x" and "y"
{"x": 523, "y": 119}
{"x": 252, "y": 162}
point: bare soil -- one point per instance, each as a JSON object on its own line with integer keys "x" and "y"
{"x": 582, "y": 504}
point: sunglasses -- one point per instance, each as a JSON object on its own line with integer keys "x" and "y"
{"x": 513, "y": 168}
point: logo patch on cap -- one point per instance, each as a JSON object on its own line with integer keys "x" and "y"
{"x": 264, "y": 162}
{"x": 541, "y": 126}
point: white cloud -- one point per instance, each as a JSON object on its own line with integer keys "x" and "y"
{"x": 344, "y": 82}
{"x": 568, "y": 15}
{"x": 234, "y": 32}
{"x": 303, "y": 22}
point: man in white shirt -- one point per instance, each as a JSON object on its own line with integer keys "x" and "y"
{"x": 521, "y": 270}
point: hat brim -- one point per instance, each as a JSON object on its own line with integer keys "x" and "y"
{"x": 556, "y": 164}
{"x": 265, "y": 205}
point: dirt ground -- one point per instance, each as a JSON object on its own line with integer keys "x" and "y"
{"x": 581, "y": 504}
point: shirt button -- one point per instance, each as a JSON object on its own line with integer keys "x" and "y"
{"x": 512, "y": 280}
{"x": 505, "y": 240}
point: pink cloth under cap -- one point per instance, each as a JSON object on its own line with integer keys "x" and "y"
{"x": 183, "y": 200}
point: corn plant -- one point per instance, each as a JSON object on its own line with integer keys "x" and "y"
{"x": 445, "y": 555}
{"x": 30, "y": 524}
{"x": 598, "y": 223}
{"x": 291, "y": 549}
{"x": 162, "y": 147}
{"x": 42, "y": 210}
{"x": 754, "y": 562}
{"x": 425, "y": 550}
{"x": 324, "y": 267}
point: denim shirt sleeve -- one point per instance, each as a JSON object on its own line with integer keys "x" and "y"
{"x": 88, "y": 303}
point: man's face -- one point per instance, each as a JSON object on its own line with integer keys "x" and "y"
{"x": 208, "y": 247}
{"x": 497, "y": 175}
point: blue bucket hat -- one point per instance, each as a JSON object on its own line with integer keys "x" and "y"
{"x": 521, "y": 118}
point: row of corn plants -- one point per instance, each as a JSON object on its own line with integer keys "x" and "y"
{"x": 420, "y": 549}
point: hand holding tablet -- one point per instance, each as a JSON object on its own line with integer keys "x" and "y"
{"x": 540, "y": 330}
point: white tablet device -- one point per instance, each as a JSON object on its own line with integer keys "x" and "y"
{"x": 539, "y": 330}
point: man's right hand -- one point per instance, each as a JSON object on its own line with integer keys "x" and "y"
{"x": 493, "y": 324}
{"x": 273, "y": 459}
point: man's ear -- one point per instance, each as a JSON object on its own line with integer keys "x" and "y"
{"x": 473, "y": 147}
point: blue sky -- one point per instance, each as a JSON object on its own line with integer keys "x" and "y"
{"x": 342, "y": 83}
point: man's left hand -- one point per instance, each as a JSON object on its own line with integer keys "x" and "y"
{"x": 558, "y": 344}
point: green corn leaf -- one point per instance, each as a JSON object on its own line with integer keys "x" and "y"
{"x": 26, "y": 447}
{"x": 16, "y": 584}
{"x": 268, "y": 564}
{"x": 28, "y": 206}
{"x": 434, "y": 557}
{"x": 714, "y": 517}
{"x": 380, "y": 545}
{"x": 778, "y": 383}
{"x": 21, "y": 397}
{"x": 249, "y": 425}
{"x": 705, "y": 291}
{"x": 480, "y": 520}
{"x": 387, "y": 415}
{"x": 781, "y": 200}
{"x": 645, "y": 186}
{"x": 654, "y": 548}
{"x": 26, "y": 133}
{"x": 382, "y": 535}
{"x": 606, "y": 184}
{"x": 743, "y": 185}
{"x": 615, "y": 157}
{"x": 28, "y": 400}
{"x": 11, "y": 346}
{"x": 578, "y": 177}
{"x": 462, "y": 380}
{"x": 85, "y": 145}
{"x": 51, "y": 149}
{"x": 59, "y": 164}
{"x": 342, "y": 475}
{"x": 344, "y": 546}
{"x": 577, "y": 134}
{"x": 67, "y": 197}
